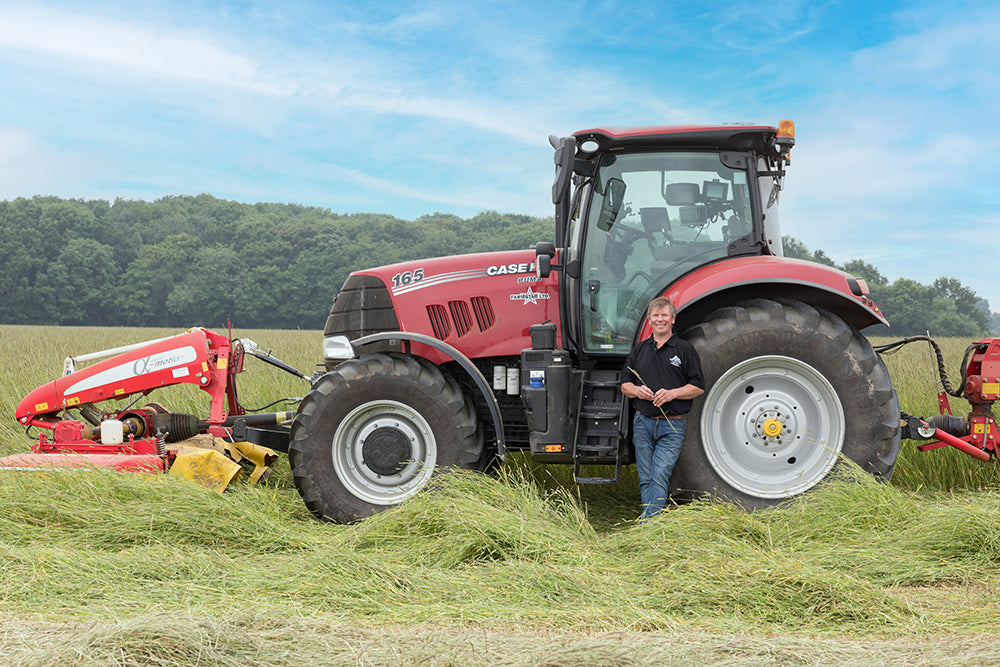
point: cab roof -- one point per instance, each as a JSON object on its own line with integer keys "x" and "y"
{"x": 758, "y": 138}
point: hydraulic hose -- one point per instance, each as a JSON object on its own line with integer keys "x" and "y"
{"x": 891, "y": 348}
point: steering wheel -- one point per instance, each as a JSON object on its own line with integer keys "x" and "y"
{"x": 662, "y": 275}
{"x": 635, "y": 275}
{"x": 622, "y": 233}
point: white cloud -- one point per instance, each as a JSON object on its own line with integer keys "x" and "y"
{"x": 957, "y": 53}
{"x": 175, "y": 53}
{"x": 356, "y": 82}
{"x": 28, "y": 165}
{"x": 773, "y": 24}
{"x": 899, "y": 139}
{"x": 502, "y": 121}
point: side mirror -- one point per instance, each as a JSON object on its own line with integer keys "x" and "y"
{"x": 544, "y": 252}
{"x": 611, "y": 206}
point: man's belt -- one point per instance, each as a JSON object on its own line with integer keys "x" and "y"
{"x": 683, "y": 416}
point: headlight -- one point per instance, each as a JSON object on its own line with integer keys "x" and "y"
{"x": 338, "y": 348}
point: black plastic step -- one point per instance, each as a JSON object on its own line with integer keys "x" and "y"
{"x": 597, "y": 480}
{"x": 599, "y": 451}
{"x": 591, "y": 412}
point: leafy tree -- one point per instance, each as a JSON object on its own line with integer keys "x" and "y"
{"x": 965, "y": 300}
{"x": 77, "y": 287}
{"x": 994, "y": 323}
{"x": 148, "y": 281}
{"x": 214, "y": 290}
{"x": 907, "y": 305}
{"x": 946, "y": 319}
{"x": 796, "y": 249}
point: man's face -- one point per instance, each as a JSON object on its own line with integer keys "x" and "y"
{"x": 661, "y": 320}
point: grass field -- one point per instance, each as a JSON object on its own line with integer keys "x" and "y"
{"x": 518, "y": 569}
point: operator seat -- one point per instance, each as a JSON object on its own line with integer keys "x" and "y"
{"x": 657, "y": 219}
{"x": 687, "y": 198}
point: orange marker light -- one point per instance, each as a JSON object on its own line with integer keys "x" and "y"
{"x": 786, "y": 129}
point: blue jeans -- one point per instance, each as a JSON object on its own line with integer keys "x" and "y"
{"x": 657, "y": 445}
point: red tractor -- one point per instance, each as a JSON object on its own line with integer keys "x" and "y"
{"x": 456, "y": 361}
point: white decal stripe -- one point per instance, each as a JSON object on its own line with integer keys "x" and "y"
{"x": 441, "y": 279}
{"x": 135, "y": 368}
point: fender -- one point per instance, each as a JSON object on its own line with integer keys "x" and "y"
{"x": 463, "y": 361}
{"x": 721, "y": 283}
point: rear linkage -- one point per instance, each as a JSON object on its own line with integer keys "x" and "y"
{"x": 977, "y": 435}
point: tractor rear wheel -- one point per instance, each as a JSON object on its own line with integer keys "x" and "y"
{"x": 791, "y": 390}
{"x": 372, "y": 431}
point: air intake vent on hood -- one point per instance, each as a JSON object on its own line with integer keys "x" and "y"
{"x": 439, "y": 320}
{"x": 483, "y": 309}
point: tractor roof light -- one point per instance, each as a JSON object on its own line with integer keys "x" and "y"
{"x": 785, "y": 137}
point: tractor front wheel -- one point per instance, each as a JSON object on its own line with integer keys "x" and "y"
{"x": 372, "y": 432}
{"x": 791, "y": 390}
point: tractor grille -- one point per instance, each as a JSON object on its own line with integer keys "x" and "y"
{"x": 458, "y": 316}
{"x": 362, "y": 306}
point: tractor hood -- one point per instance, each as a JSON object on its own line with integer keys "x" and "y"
{"x": 413, "y": 276}
{"x": 483, "y": 304}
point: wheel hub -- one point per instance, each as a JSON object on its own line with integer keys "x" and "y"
{"x": 386, "y": 451}
{"x": 770, "y": 426}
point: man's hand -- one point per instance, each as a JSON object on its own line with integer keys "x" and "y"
{"x": 633, "y": 390}
{"x": 660, "y": 396}
{"x": 644, "y": 392}
{"x": 663, "y": 396}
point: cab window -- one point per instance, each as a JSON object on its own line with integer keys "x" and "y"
{"x": 652, "y": 218}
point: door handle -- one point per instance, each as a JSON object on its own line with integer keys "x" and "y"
{"x": 593, "y": 287}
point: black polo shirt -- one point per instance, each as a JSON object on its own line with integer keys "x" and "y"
{"x": 674, "y": 364}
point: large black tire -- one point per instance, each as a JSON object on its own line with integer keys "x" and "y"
{"x": 791, "y": 390}
{"x": 371, "y": 432}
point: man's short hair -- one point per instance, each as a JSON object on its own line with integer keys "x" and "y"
{"x": 661, "y": 302}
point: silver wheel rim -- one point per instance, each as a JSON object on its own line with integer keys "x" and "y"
{"x": 348, "y": 452}
{"x": 772, "y": 427}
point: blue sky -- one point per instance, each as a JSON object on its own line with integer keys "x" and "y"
{"x": 411, "y": 108}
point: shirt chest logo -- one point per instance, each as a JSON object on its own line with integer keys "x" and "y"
{"x": 675, "y": 361}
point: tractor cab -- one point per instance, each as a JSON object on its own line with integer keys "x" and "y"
{"x": 646, "y": 206}
{"x": 651, "y": 218}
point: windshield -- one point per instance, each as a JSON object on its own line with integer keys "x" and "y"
{"x": 652, "y": 218}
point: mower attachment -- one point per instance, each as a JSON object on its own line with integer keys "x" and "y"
{"x": 77, "y": 433}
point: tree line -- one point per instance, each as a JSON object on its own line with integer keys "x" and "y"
{"x": 200, "y": 261}
{"x": 945, "y": 307}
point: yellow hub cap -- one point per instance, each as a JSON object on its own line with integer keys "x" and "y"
{"x": 772, "y": 428}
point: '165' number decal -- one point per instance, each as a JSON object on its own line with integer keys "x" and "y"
{"x": 407, "y": 277}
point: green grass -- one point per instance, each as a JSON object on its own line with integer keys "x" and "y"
{"x": 523, "y": 568}
{"x": 155, "y": 569}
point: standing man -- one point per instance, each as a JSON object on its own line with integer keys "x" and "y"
{"x": 663, "y": 375}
